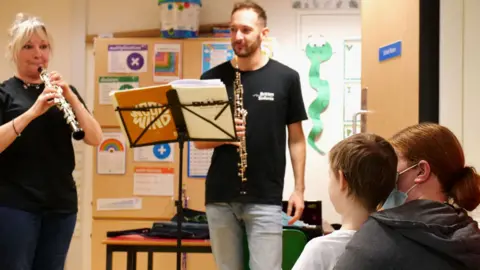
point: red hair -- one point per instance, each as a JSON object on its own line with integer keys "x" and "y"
{"x": 438, "y": 146}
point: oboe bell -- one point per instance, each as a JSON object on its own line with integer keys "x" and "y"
{"x": 64, "y": 106}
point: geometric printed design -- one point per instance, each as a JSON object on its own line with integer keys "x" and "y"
{"x": 166, "y": 63}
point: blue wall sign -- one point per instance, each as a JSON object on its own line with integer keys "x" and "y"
{"x": 390, "y": 51}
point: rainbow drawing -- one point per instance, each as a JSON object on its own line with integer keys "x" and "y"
{"x": 111, "y": 145}
{"x": 166, "y": 64}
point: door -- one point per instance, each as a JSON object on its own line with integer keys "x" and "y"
{"x": 390, "y": 75}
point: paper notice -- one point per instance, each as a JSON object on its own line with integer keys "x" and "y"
{"x": 352, "y": 101}
{"x": 154, "y": 153}
{"x": 353, "y": 59}
{"x": 198, "y": 161}
{"x": 215, "y": 53}
{"x": 119, "y": 204}
{"x": 127, "y": 58}
{"x": 153, "y": 181}
{"x": 111, "y": 83}
{"x": 111, "y": 154}
{"x": 167, "y": 62}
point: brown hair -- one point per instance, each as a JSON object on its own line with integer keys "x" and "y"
{"x": 369, "y": 164}
{"x": 262, "y": 14}
{"x": 438, "y": 146}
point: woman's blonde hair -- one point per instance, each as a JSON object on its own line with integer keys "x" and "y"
{"x": 23, "y": 27}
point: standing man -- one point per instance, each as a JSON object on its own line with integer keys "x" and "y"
{"x": 273, "y": 98}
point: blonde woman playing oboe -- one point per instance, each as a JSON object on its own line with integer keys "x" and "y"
{"x": 38, "y": 197}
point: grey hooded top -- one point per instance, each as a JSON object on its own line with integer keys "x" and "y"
{"x": 420, "y": 234}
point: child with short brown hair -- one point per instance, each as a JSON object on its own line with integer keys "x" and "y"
{"x": 363, "y": 170}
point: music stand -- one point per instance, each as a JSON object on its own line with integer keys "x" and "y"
{"x": 190, "y": 107}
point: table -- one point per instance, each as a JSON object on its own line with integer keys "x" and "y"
{"x": 132, "y": 244}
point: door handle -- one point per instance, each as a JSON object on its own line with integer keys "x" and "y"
{"x": 354, "y": 120}
{"x": 363, "y": 93}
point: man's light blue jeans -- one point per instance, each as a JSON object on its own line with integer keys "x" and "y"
{"x": 263, "y": 226}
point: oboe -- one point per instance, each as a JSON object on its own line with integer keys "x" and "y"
{"x": 241, "y": 113}
{"x": 64, "y": 106}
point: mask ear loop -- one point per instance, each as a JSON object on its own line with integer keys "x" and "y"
{"x": 407, "y": 169}
{"x": 403, "y": 171}
{"x": 408, "y": 191}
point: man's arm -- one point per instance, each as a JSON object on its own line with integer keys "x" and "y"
{"x": 207, "y": 145}
{"x": 296, "y": 113}
{"x": 297, "y": 148}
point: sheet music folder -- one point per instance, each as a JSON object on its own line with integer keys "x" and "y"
{"x": 146, "y": 114}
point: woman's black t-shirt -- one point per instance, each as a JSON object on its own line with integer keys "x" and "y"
{"x": 36, "y": 169}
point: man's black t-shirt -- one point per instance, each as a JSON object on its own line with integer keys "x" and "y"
{"x": 273, "y": 98}
{"x": 36, "y": 169}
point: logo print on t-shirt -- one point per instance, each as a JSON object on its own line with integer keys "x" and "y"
{"x": 265, "y": 96}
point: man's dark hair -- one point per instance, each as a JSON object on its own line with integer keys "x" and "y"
{"x": 262, "y": 15}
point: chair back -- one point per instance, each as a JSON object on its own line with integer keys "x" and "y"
{"x": 294, "y": 242}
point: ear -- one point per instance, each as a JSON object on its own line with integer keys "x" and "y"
{"x": 423, "y": 173}
{"x": 265, "y": 32}
{"x": 342, "y": 182}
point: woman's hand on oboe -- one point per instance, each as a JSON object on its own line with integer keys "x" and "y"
{"x": 56, "y": 79}
{"x": 44, "y": 101}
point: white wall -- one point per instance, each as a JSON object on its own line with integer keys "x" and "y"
{"x": 459, "y": 69}
{"x": 451, "y": 65}
{"x": 471, "y": 91}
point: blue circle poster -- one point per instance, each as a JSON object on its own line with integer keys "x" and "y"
{"x": 154, "y": 153}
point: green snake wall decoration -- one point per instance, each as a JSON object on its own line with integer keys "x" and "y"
{"x": 318, "y": 53}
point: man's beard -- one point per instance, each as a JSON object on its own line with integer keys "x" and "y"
{"x": 247, "y": 51}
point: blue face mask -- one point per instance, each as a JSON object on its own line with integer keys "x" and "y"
{"x": 397, "y": 197}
